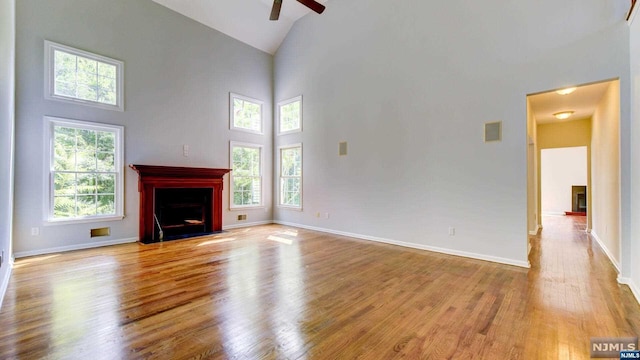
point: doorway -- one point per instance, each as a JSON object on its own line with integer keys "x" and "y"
{"x": 586, "y": 117}
{"x": 563, "y": 182}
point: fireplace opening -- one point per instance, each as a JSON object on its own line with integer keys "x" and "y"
{"x": 182, "y": 212}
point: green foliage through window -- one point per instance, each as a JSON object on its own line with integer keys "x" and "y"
{"x": 291, "y": 115}
{"x": 84, "y": 172}
{"x": 246, "y": 175}
{"x": 78, "y": 75}
{"x": 246, "y": 113}
{"x": 291, "y": 176}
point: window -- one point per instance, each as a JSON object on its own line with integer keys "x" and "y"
{"x": 246, "y": 177}
{"x": 246, "y": 113}
{"x": 84, "y": 170}
{"x": 290, "y": 115}
{"x": 82, "y": 77}
{"x": 291, "y": 176}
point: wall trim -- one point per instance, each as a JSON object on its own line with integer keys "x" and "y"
{"x": 52, "y": 250}
{"x": 243, "y": 225}
{"x": 5, "y": 282}
{"x": 606, "y": 250}
{"x": 632, "y": 286}
{"x": 495, "y": 259}
{"x": 535, "y": 232}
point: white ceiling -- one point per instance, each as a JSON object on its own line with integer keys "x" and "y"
{"x": 583, "y": 101}
{"x": 244, "y": 20}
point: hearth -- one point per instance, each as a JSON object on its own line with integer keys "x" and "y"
{"x": 179, "y": 202}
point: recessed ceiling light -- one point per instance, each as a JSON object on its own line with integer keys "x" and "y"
{"x": 563, "y": 114}
{"x": 566, "y": 91}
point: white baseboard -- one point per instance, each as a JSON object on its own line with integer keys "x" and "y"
{"x": 5, "y": 281}
{"x": 634, "y": 289}
{"x": 22, "y": 254}
{"x": 495, "y": 259}
{"x": 535, "y": 232}
{"x": 606, "y": 251}
{"x": 242, "y": 225}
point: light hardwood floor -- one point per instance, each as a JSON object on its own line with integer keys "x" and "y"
{"x": 276, "y": 292}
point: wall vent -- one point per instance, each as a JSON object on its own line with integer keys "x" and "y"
{"x": 105, "y": 231}
{"x": 493, "y": 131}
{"x": 242, "y": 217}
{"x": 342, "y": 148}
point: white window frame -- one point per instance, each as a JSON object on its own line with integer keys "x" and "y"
{"x": 232, "y": 125}
{"x": 49, "y": 123}
{"x": 233, "y": 206}
{"x": 49, "y": 79}
{"x": 280, "y": 177}
{"x": 284, "y": 103}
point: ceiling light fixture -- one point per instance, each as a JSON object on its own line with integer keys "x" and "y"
{"x": 566, "y": 91}
{"x": 563, "y": 115}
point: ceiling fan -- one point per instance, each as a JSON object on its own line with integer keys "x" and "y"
{"x": 311, "y": 4}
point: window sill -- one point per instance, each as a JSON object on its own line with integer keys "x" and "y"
{"x": 55, "y": 222}
{"x": 288, "y": 207}
{"x": 242, "y": 208}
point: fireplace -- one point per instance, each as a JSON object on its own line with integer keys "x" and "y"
{"x": 179, "y": 202}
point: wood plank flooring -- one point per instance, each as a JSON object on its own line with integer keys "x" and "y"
{"x": 276, "y": 292}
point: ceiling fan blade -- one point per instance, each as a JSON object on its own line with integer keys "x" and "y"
{"x": 275, "y": 10}
{"x": 313, "y": 5}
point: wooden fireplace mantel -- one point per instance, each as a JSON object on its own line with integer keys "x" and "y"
{"x": 151, "y": 177}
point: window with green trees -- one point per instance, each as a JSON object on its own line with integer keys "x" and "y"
{"x": 291, "y": 176}
{"x": 85, "y": 176}
{"x": 246, "y": 175}
{"x": 246, "y": 113}
{"x": 82, "y": 77}
{"x": 290, "y": 115}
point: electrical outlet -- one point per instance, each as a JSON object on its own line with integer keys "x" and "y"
{"x": 452, "y": 231}
{"x": 185, "y": 150}
{"x": 35, "y": 231}
{"x": 326, "y": 215}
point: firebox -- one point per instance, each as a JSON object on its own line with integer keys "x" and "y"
{"x": 182, "y": 212}
{"x": 179, "y": 202}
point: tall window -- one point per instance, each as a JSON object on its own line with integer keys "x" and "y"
{"x": 246, "y": 113}
{"x": 246, "y": 177}
{"x": 84, "y": 170}
{"x": 290, "y": 115}
{"x": 291, "y": 176}
{"x": 82, "y": 77}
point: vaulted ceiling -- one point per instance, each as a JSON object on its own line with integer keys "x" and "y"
{"x": 244, "y": 20}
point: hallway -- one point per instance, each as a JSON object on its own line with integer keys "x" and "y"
{"x": 574, "y": 292}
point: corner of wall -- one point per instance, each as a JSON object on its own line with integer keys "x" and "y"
{"x": 5, "y": 276}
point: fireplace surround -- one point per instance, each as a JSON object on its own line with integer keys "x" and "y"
{"x": 178, "y": 202}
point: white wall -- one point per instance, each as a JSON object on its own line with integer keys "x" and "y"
{"x": 409, "y": 84}
{"x": 178, "y": 75}
{"x": 7, "y": 88}
{"x": 631, "y": 275}
{"x": 605, "y": 178}
{"x": 561, "y": 169}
